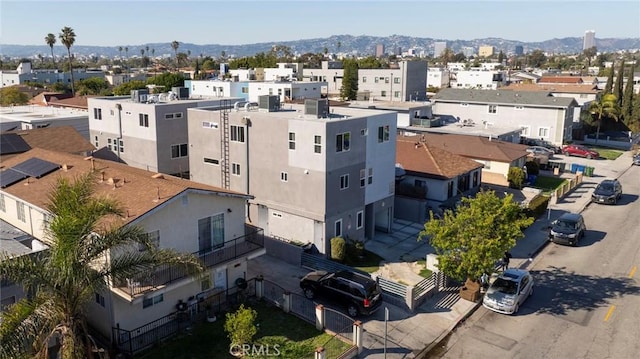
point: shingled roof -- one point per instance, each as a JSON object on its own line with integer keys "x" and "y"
{"x": 503, "y": 97}
{"x": 137, "y": 190}
{"x": 421, "y": 158}
{"x": 474, "y": 147}
{"x": 60, "y": 138}
{"x": 558, "y": 88}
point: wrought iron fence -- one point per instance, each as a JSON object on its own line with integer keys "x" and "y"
{"x": 338, "y": 323}
{"x": 273, "y": 293}
{"x": 303, "y": 307}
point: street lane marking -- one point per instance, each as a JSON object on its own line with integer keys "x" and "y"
{"x": 633, "y": 271}
{"x": 606, "y": 318}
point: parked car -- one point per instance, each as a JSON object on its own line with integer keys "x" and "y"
{"x": 568, "y": 229}
{"x": 541, "y": 143}
{"x": 579, "y": 150}
{"x": 539, "y": 150}
{"x": 358, "y": 293}
{"x": 509, "y": 291}
{"x": 607, "y": 191}
{"x": 636, "y": 160}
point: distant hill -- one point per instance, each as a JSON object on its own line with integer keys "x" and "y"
{"x": 362, "y": 45}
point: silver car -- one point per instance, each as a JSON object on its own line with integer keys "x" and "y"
{"x": 539, "y": 150}
{"x": 509, "y": 291}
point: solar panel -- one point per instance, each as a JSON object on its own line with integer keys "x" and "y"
{"x": 9, "y": 177}
{"x": 35, "y": 167}
{"x": 12, "y": 143}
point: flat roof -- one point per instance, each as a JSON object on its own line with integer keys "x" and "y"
{"x": 160, "y": 102}
{"x": 477, "y": 129}
{"x": 28, "y": 113}
{"x": 391, "y": 105}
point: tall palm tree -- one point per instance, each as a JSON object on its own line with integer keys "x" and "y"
{"x": 64, "y": 278}
{"x": 68, "y": 37}
{"x": 606, "y": 108}
{"x": 174, "y": 46}
{"x": 51, "y": 40}
{"x": 120, "y": 48}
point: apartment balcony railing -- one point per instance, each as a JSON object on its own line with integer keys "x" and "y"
{"x": 252, "y": 240}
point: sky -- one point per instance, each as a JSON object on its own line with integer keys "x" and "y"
{"x": 135, "y": 22}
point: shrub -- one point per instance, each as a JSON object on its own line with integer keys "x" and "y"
{"x": 338, "y": 249}
{"x": 537, "y": 206}
{"x": 515, "y": 177}
{"x": 240, "y": 325}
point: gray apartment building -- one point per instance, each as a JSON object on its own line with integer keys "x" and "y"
{"x": 147, "y": 131}
{"x": 407, "y": 82}
{"x": 315, "y": 172}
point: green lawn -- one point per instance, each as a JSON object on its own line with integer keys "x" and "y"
{"x": 295, "y": 338}
{"x": 548, "y": 184}
{"x": 424, "y": 272}
{"x": 370, "y": 262}
{"x": 608, "y": 153}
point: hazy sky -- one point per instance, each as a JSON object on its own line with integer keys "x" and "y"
{"x": 133, "y": 22}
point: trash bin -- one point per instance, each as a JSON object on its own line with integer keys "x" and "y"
{"x": 574, "y": 167}
{"x": 562, "y": 166}
{"x": 580, "y": 168}
{"x": 588, "y": 171}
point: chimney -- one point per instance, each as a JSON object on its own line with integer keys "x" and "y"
{"x": 65, "y": 167}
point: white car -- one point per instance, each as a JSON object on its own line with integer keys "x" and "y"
{"x": 539, "y": 150}
{"x": 509, "y": 291}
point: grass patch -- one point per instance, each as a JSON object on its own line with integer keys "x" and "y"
{"x": 607, "y": 153}
{"x": 424, "y": 272}
{"x": 295, "y": 338}
{"x": 548, "y": 184}
{"x": 370, "y": 262}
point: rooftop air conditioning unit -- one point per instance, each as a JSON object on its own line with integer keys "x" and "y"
{"x": 316, "y": 107}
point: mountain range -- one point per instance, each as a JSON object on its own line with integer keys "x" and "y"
{"x": 362, "y": 45}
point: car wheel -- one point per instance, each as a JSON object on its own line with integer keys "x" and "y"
{"x": 589, "y": 157}
{"x": 567, "y": 154}
{"x": 309, "y": 293}
{"x": 352, "y": 310}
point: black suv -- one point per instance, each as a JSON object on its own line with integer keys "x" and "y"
{"x": 358, "y": 293}
{"x": 568, "y": 229}
{"x": 608, "y": 191}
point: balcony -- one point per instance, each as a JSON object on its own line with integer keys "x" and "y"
{"x": 253, "y": 240}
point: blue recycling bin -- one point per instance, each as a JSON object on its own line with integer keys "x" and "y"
{"x": 574, "y": 167}
{"x": 581, "y": 168}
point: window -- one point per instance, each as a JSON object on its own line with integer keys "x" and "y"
{"x": 519, "y": 108}
{"x": 284, "y": 176}
{"x": 526, "y": 130}
{"x": 338, "y": 228}
{"x": 205, "y": 284}
{"x": 420, "y": 183}
{"x": 386, "y": 80}
{"x": 237, "y": 133}
{"x": 492, "y": 108}
{"x": 152, "y": 300}
{"x": 154, "y": 240}
{"x": 97, "y": 113}
{"x": 344, "y": 181}
{"x": 178, "y": 151}
{"x": 383, "y": 93}
{"x": 363, "y": 178}
{"x": 396, "y": 80}
{"x": 3, "y": 206}
{"x": 144, "y": 120}
{"x": 20, "y": 210}
{"x": 342, "y": 141}
{"x": 543, "y": 132}
{"x": 235, "y": 169}
{"x": 317, "y": 144}
{"x": 464, "y": 104}
{"x": 212, "y": 161}
{"x": 359, "y": 220}
{"x": 396, "y": 94}
{"x": 100, "y": 299}
{"x": 210, "y": 233}
{"x": 364, "y": 79}
{"x": 375, "y": 79}
{"x": 171, "y": 116}
{"x": 292, "y": 140}
{"x": 96, "y": 141}
{"x": 383, "y": 134}
{"x": 450, "y": 189}
{"x": 364, "y": 132}
{"x": 370, "y": 178}
{"x": 245, "y": 90}
{"x": 475, "y": 178}
{"x": 207, "y": 124}
{"x": 119, "y": 148}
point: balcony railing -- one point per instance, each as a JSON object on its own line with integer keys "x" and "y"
{"x": 252, "y": 240}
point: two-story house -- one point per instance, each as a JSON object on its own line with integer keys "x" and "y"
{"x": 147, "y": 131}
{"x": 538, "y": 114}
{"x": 406, "y": 82}
{"x": 315, "y": 172}
{"x": 183, "y": 215}
{"x": 433, "y": 178}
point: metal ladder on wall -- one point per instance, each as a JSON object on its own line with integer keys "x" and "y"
{"x": 224, "y": 144}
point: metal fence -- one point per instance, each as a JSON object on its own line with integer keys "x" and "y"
{"x": 338, "y": 323}
{"x": 282, "y": 250}
{"x": 303, "y": 307}
{"x": 273, "y": 293}
{"x": 316, "y": 262}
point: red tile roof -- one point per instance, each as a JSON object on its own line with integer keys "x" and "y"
{"x": 475, "y": 147}
{"x": 561, "y": 79}
{"x": 432, "y": 161}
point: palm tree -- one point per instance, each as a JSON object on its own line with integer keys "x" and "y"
{"x": 174, "y": 46}
{"x": 606, "y": 107}
{"x": 68, "y": 37}
{"x": 51, "y": 40}
{"x": 64, "y": 278}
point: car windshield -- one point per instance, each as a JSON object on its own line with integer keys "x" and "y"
{"x": 504, "y": 285}
{"x": 606, "y": 187}
{"x": 566, "y": 224}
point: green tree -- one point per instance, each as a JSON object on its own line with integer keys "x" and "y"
{"x": 167, "y": 80}
{"x": 338, "y": 248}
{"x": 240, "y": 325}
{"x": 500, "y": 56}
{"x": 349, "y": 89}
{"x": 627, "y": 100}
{"x": 606, "y": 108}
{"x": 92, "y": 86}
{"x": 12, "y": 96}
{"x": 208, "y": 65}
{"x": 537, "y": 58}
{"x": 59, "y": 87}
{"x": 370, "y": 62}
{"x": 68, "y": 38}
{"x": 617, "y": 88}
{"x": 175, "y": 45}
{"x": 589, "y": 54}
{"x": 446, "y": 56}
{"x": 125, "y": 88}
{"x": 472, "y": 239}
{"x": 64, "y": 278}
{"x": 50, "y": 39}
{"x": 609, "y": 85}
{"x": 516, "y": 177}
